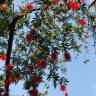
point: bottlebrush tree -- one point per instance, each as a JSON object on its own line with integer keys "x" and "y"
{"x": 34, "y": 34}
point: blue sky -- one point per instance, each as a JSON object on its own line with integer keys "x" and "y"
{"x": 82, "y": 77}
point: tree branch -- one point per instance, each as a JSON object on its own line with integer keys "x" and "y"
{"x": 10, "y": 42}
{"x": 92, "y": 4}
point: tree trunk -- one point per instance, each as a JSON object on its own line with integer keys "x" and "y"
{"x": 9, "y": 48}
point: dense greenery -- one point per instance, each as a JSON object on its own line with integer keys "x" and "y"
{"x": 40, "y": 31}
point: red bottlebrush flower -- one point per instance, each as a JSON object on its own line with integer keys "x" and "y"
{"x": 39, "y": 79}
{"x": 82, "y": 21}
{"x": 3, "y": 56}
{"x": 66, "y": 94}
{"x": 67, "y": 56}
{"x": 9, "y": 80}
{"x": 36, "y": 79}
{"x": 9, "y": 66}
{"x": 81, "y": 1}
{"x": 54, "y": 2}
{"x": 17, "y": 75}
{"x": 41, "y": 64}
{"x": 54, "y": 56}
{"x": 73, "y": 5}
{"x": 29, "y": 6}
{"x": 29, "y": 37}
{"x": 37, "y": 64}
{"x": 63, "y": 87}
{"x": 33, "y": 92}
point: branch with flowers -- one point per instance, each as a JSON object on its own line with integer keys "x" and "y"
{"x": 33, "y": 36}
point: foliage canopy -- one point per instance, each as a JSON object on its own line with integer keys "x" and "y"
{"x": 40, "y": 31}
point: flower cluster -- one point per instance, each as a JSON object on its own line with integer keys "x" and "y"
{"x": 9, "y": 67}
{"x": 33, "y": 92}
{"x": 9, "y": 80}
{"x": 67, "y": 56}
{"x": 3, "y": 56}
{"x": 82, "y": 21}
{"x": 37, "y": 79}
{"x": 63, "y": 88}
{"x": 73, "y": 5}
{"x": 54, "y": 56}
{"x": 41, "y": 63}
{"x": 29, "y": 37}
{"x": 51, "y": 32}
{"x": 54, "y": 2}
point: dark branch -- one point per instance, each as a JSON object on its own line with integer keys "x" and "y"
{"x": 10, "y": 42}
{"x": 92, "y": 3}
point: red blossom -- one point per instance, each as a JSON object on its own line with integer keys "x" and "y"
{"x": 8, "y": 80}
{"x": 73, "y": 5}
{"x": 3, "y": 56}
{"x": 9, "y": 66}
{"x": 54, "y": 2}
{"x": 36, "y": 79}
{"x": 82, "y": 21}
{"x": 17, "y": 75}
{"x": 41, "y": 64}
{"x": 39, "y": 79}
{"x": 33, "y": 79}
{"x": 29, "y": 37}
{"x": 81, "y": 1}
{"x": 63, "y": 87}
{"x": 66, "y": 94}
{"x": 37, "y": 64}
{"x": 67, "y": 56}
{"x": 54, "y": 56}
{"x": 33, "y": 92}
{"x": 29, "y": 6}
